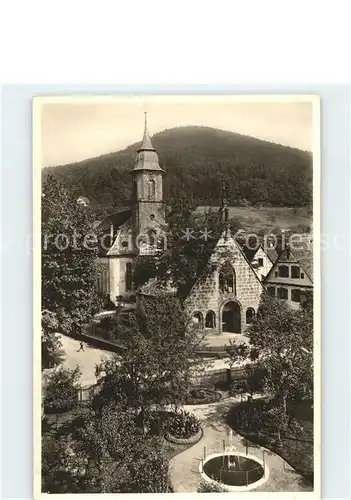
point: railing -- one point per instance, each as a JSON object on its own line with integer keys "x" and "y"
{"x": 228, "y": 472}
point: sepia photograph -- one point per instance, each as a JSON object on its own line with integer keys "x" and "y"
{"x": 176, "y": 294}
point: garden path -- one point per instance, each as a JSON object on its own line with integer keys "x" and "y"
{"x": 86, "y": 360}
{"x": 184, "y": 467}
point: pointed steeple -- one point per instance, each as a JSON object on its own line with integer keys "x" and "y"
{"x": 146, "y": 144}
{"x": 147, "y": 158}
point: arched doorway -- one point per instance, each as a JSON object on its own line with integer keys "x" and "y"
{"x": 210, "y": 320}
{"x": 231, "y": 318}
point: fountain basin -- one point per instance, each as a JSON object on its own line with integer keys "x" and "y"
{"x": 234, "y": 470}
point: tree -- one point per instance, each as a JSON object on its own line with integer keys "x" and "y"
{"x": 120, "y": 460}
{"x": 161, "y": 358}
{"x": 62, "y": 469}
{"x": 281, "y": 341}
{"x": 51, "y": 345}
{"x": 61, "y": 390}
{"x": 190, "y": 241}
{"x": 69, "y": 264}
{"x": 104, "y": 454}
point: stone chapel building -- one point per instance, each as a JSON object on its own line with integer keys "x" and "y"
{"x": 226, "y": 299}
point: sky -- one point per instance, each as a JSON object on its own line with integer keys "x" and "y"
{"x": 77, "y": 129}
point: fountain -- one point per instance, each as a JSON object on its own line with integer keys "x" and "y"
{"x": 232, "y": 469}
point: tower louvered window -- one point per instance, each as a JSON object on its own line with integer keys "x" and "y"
{"x": 151, "y": 189}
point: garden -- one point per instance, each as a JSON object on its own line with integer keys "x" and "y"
{"x": 290, "y": 436}
{"x": 83, "y": 448}
{"x": 124, "y": 438}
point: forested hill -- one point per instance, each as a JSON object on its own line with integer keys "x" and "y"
{"x": 196, "y": 159}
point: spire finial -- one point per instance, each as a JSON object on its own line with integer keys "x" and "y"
{"x": 225, "y": 205}
{"x": 146, "y": 143}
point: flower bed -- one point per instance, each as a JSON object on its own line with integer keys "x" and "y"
{"x": 202, "y": 395}
{"x": 183, "y": 428}
{"x": 191, "y": 440}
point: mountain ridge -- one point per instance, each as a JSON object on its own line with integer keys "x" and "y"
{"x": 196, "y": 158}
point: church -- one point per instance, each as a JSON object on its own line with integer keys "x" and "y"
{"x": 132, "y": 230}
{"x": 224, "y": 300}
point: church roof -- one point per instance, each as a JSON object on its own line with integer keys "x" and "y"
{"x": 147, "y": 158}
{"x": 117, "y": 219}
{"x": 108, "y": 229}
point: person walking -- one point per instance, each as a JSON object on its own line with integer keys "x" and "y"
{"x": 81, "y": 348}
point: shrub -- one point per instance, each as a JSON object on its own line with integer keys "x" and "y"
{"x": 107, "y": 304}
{"x": 61, "y": 390}
{"x": 115, "y": 327}
{"x": 252, "y": 383}
{"x": 157, "y": 422}
{"x": 205, "y": 487}
{"x": 238, "y": 386}
{"x": 183, "y": 424}
{"x": 106, "y": 328}
{"x": 202, "y": 395}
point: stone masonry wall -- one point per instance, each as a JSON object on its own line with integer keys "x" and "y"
{"x": 206, "y": 294}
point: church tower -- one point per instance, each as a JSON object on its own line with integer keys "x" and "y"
{"x": 148, "y": 204}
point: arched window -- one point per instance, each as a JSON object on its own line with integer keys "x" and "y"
{"x": 151, "y": 189}
{"x": 250, "y": 315}
{"x": 198, "y": 319}
{"x": 210, "y": 321}
{"x": 227, "y": 279}
{"x": 152, "y": 237}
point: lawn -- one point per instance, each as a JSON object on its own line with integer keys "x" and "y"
{"x": 297, "y": 443}
{"x": 266, "y": 218}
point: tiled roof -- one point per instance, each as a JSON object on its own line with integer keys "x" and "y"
{"x": 305, "y": 258}
{"x": 249, "y": 252}
{"x": 272, "y": 254}
{"x": 116, "y": 220}
{"x": 147, "y": 160}
{"x": 110, "y": 227}
{"x": 302, "y": 252}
